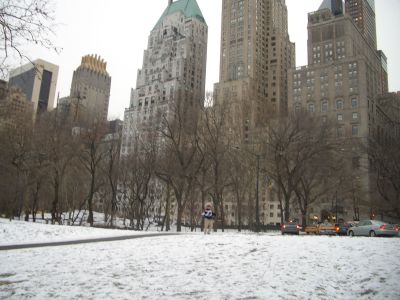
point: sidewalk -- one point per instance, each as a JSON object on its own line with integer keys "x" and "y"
{"x": 81, "y": 241}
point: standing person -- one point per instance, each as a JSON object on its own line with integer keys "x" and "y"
{"x": 208, "y": 216}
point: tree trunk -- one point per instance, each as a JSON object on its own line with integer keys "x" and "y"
{"x": 192, "y": 223}
{"x": 113, "y": 202}
{"x": 239, "y": 210}
{"x": 281, "y": 203}
{"x": 167, "y": 210}
{"x": 179, "y": 217}
{"x": 35, "y": 201}
{"x": 90, "y": 200}
{"x": 142, "y": 215}
{"x": 222, "y": 212}
{"x": 55, "y": 202}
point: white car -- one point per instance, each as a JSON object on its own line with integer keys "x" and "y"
{"x": 372, "y": 228}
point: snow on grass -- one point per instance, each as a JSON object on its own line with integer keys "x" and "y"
{"x": 20, "y": 232}
{"x": 216, "y": 266}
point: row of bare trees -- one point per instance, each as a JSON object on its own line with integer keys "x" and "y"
{"x": 202, "y": 161}
{"x": 56, "y": 166}
{"x": 187, "y": 159}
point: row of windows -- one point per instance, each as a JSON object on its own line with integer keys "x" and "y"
{"x": 353, "y": 89}
{"x": 352, "y": 67}
{"x": 340, "y": 131}
{"x": 324, "y": 108}
{"x": 339, "y": 105}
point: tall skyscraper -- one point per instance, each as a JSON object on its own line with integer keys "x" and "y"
{"x": 174, "y": 70}
{"x": 256, "y": 54}
{"x": 363, "y": 14}
{"x": 341, "y": 83}
{"x": 335, "y": 6}
{"x": 90, "y": 87}
{"x": 38, "y": 80}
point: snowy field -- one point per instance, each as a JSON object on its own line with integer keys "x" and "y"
{"x": 194, "y": 266}
{"x": 20, "y": 232}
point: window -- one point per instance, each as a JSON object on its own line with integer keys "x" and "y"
{"x": 339, "y": 104}
{"x": 324, "y": 106}
{"x": 354, "y": 103}
{"x": 340, "y": 117}
{"x": 271, "y": 215}
{"x": 311, "y": 107}
{"x": 355, "y": 116}
{"x": 354, "y": 130}
{"x": 271, "y": 206}
{"x": 339, "y": 132}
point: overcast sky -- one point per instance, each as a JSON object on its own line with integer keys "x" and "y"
{"x": 118, "y": 31}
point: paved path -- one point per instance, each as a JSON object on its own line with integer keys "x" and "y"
{"x": 83, "y": 241}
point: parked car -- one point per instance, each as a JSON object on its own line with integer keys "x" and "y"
{"x": 312, "y": 228}
{"x": 290, "y": 227}
{"x": 372, "y": 228}
{"x": 326, "y": 228}
{"x": 342, "y": 228}
{"x": 397, "y": 228}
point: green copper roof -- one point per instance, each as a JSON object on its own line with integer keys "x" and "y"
{"x": 189, "y": 8}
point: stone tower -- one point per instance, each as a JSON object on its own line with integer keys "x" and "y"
{"x": 91, "y": 86}
{"x": 174, "y": 70}
{"x": 256, "y": 54}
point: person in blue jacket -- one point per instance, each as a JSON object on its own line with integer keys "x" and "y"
{"x": 209, "y": 217}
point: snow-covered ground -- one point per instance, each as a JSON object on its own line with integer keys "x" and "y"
{"x": 20, "y": 232}
{"x": 195, "y": 266}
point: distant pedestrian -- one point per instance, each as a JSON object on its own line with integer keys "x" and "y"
{"x": 209, "y": 217}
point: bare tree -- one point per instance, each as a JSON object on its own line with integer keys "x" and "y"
{"x": 24, "y": 22}
{"x": 216, "y": 144}
{"x": 181, "y": 162}
{"x": 37, "y": 180}
{"x": 16, "y": 148}
{"x": 203, "y": 185}
{"x": 59, "y": 149}
{"x": 384, "y": 153}
{"x": 293, "y": 145}
{"x": 110, "y": 169}
{"x": 91, "y": 156}
{"x": 139, "y": 169}
{"x": 242, "y": 177}
{"x": 74, "y": 191}
{"x": 320, "y": 163}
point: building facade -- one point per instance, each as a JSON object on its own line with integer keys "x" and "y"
{"x": 14, "y": 107}
{"x": 341, "y": 83}
{"x": 174, "y": 70}
{"x": 256, "y": 54}
{"x": 172, "y": 78}
{"x": 90, "y": 89}
{"x": 363, "y": 14}
{"x": 389, "y": 121}
{"x": 38, "y": 81}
